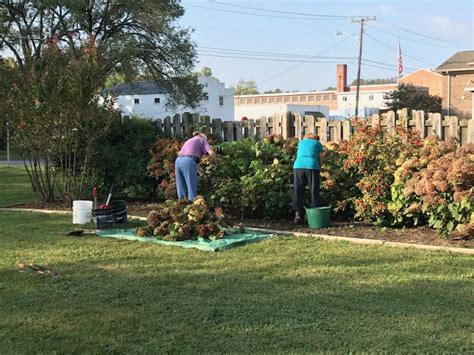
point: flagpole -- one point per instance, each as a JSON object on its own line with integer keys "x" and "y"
{"x": 398, "y": 64}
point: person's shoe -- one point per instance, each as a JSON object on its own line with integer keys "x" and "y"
{"x": 298, "y": 220}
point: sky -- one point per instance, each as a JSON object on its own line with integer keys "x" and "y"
{"x": 293, "y": 46}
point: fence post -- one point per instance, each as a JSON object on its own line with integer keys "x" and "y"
{"x": 159, "y": 126}
{"x": 453, "y": 127}
{"x": 167, "y": 127}
{"x": 187, "y": 119}
{"x": 391, "y": 121}
{"x": 323, "y": 129}
{"x": 298, "y": 125}
{"x": 228, "y": 131}
{"x": 205, "y": 123}
{"x": 337, "y": 131}
{"x": 470, "y": 131}
{"x": 346, "y": 129}
{"x": 309, "y": 124}
{"x": 286, "y": 125}
{"x": 217, "y": 127}
{"x": 419, "y": 117}
{"x": 403, "y": 118}
{"x": 276, "y": 123}
{"x": 238, "y": 130}
{"x": 177, "y": 132}
{"x": 263, "y": 127}
{"x": 437, "y": 125}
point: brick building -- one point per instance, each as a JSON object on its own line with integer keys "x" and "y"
{"x": 458, "y": 75}
{"x": 425, "y": 78}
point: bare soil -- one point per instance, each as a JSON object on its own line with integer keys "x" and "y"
{"x": 413, "y": 235}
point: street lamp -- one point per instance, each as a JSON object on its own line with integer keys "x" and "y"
{"x": 339, "y": 33}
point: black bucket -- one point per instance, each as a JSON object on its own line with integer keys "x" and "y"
{"x": 107, "y": 217}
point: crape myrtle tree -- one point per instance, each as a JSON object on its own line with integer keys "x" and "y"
{"x": 64, "y": 52}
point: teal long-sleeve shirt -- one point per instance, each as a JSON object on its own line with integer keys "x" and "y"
{"x": 307, "y": 154}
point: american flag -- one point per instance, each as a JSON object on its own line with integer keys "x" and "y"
{"x": 400, "y": 60}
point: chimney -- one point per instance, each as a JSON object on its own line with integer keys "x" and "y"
{"x": 341, "y": 80}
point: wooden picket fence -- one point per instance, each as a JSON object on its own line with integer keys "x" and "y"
{"x": 296, "y": 125}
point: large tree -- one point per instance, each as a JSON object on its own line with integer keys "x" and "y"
{"x": 412, "y": 97}
{"x": 133, "y": 37}
{"x": 245, "y": 87}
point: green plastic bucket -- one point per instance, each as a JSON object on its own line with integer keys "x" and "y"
{"x": 318, "y": 217}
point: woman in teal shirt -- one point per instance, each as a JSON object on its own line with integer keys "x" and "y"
{"x": 306, "y": 170}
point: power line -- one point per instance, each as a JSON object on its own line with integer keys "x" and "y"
{"x": 257, "y": 31}
{"x": 396, "y": 50}
{"x": 300, "y": 64}
{"x": 401, "y": 28}
{"x": 264, "y": 15}
{"x": 409, "y": 39}
{"x": 283, "y": 12}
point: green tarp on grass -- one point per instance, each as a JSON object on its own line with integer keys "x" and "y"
{"x": 229, "y": 241}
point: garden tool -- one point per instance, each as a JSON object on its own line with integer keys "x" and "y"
{"x": 37, "y": 268}
{"x": 106, "y": 205}
{"x": 94, "y": 194}
{"x": 81, "y": 232}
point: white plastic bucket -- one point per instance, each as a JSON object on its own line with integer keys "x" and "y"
{"x": 81, "y": 212}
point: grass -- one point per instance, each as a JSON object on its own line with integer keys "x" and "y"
{"x": 282, "y": 295}
{"x": 15, "y": 187}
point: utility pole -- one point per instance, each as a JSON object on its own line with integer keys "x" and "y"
{"x": 362, "y": 20}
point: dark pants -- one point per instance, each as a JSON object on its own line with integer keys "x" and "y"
{"x": 301, "y": 178}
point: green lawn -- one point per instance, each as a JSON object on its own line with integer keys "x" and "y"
{"x": 15, "y": 186}
{"x": 282, "y": 295}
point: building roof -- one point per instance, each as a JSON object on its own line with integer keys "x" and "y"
{"x": 429, "y": 71}
{"x": 460, "y": 61}
{"x": 137, "y": 88}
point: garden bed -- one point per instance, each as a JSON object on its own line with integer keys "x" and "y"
{"x": 413, "y": 235}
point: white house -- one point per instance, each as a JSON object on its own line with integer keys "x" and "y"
{"x": 148, "y": 99}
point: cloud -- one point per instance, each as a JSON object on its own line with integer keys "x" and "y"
{"x": 385, "y": 9}
{"x": 448, "y": 27}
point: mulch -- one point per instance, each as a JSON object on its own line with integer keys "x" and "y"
{"x": 412, "y": 235}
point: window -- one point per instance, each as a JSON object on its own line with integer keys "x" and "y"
{"x": 294, "y": 98}
{"x": 264, "y": 100}
{"x": 206, "y": 97}
{"x": 241, "y": 101}
{"x": 249, "y": 101}
{"x": 287, "y": 99}
{"x": 136, "y": 101}
{"x": 318, "y": 98}
{"x": 334, "y": 97}
{"x": 311, "y": 98}
{"x": 371, "y": 97}
{"x": 279, "y": 99}
{"x": 326, "y": 98}
{"x": 221, "y": 100}
{"x": 157, "y": 100}
{"x": 302, "y": 98}
{"x": 257, "y": 101}
{"x": 344, "y": 98}
{"x": 271, "y": 100}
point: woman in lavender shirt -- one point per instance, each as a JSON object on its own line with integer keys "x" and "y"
{"x": 186, "y": 165}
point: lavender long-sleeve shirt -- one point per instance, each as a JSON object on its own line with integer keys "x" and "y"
{"x": 195, "y": 146}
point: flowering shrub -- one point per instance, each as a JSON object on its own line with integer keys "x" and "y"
{"x": 368, "y": 163}
{"x": 436, "y": 183}
{"x": 163, "y": 154}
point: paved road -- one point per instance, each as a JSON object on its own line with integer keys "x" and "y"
{"x": 11, "y": 163}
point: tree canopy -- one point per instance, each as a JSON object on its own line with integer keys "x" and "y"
{"x": 132, "y": 37}
{"x": 245, "y": 87}
{"x": 412, "y": 97}
{"x": 375, "y": 81}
